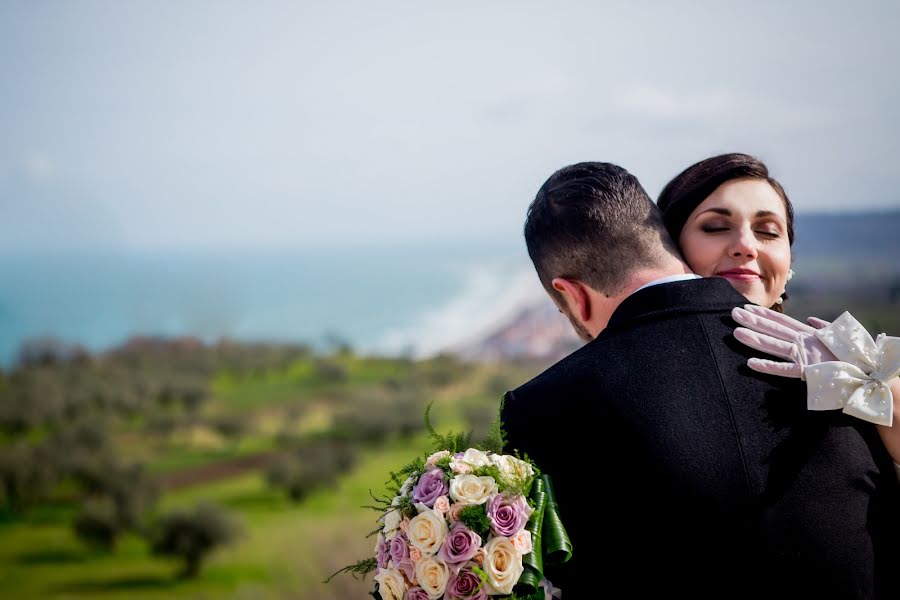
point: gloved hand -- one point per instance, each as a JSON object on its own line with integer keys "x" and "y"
{"x": 843, "y": 366}
{"x": 779, "y": 335}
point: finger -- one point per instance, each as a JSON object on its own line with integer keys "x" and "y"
{"x": 780, "y": 318}
{"x": 771, "y": 367}
{"x": 765, "y": 325}
{"x": 817, "y": 323}
{"x": 764, "y": 343}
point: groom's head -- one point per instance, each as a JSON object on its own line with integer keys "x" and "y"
{"x": 592, "y": 232}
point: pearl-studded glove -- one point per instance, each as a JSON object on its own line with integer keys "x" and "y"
{"x": 843, "y": 366}
{"x": 779, "y": 335}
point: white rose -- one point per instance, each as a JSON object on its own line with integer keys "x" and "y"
{"x": 427, "y": 531}
{"x": 432, "y": 574}
{"x": 407, "y": 486}
{"x": 391, "y": 524}
{"x": 522, "y": 542}
{"x": 512, "y": 468}
{"x": 472, "y": 458}
{"x": 391, "y": 584}
{"x": 502, "y": 564}
{"x": 476, "y": 458}
{"x": 468, "y": 489}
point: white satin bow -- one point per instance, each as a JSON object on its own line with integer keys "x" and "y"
{"x": 859, "y": 383}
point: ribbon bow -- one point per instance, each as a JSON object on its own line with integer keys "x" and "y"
{"x": 859, "y": 382}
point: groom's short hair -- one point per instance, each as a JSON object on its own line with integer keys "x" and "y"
{"x": 595, "y": 223}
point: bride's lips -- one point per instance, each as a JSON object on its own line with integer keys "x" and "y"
{"x": 739, "y": 274}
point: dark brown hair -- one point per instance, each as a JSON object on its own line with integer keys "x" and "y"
{"x": 696, "y": 183}
{"x": 595, "y": 223}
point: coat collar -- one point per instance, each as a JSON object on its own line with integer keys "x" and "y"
{"x": 709, "y": 294}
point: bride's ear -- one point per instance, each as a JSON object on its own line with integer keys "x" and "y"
{"x": 575, "y": 296}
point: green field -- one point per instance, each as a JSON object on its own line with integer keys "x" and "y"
{"x": 285, "y": 548}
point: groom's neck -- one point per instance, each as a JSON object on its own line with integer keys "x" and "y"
{"x": 603, "y": 306}
{"x": 667, "y": 267}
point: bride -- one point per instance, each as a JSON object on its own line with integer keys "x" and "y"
{"x": 731, "y": 219}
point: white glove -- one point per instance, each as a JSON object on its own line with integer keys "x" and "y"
{"x": 780, "y": 335}
{"x": 843, "y": 366}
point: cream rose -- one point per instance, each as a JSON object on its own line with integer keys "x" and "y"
{"x": 522, "y": 542}
{"x": 391, "y": 584}
{"x": 427, "y": 531}
{"x": 432, "y": 574}
{"x": 502, "y": 564}
{"x": 391, "y": 523}
{"x": 469, "y": 489}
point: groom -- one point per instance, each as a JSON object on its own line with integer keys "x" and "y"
{"x": 679, "y": 472}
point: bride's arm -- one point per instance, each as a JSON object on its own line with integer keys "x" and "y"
{"x": 890, "y": 436}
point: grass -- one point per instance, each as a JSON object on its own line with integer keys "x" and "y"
{"x": 286, "y": 549}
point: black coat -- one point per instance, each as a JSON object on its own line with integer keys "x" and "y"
{"x": 682, "y": 473}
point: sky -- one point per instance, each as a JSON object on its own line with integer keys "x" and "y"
{"x": 213, "y": 124}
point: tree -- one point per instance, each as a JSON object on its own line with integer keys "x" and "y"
{"x": 191, "y": 535}
{"x": 27, "y": 474}
{"x": 97, "y": 523}
{"x": 312, "y": 465}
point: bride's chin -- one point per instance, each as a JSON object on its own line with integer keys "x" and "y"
{"x": 751, "y": 290}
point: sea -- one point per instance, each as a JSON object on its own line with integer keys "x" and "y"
{"x": 389, "y": 299}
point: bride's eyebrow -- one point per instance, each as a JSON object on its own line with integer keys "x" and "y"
{"x": 720, "y": 211}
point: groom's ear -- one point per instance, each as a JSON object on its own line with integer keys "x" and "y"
{"x": 575, "y": 296}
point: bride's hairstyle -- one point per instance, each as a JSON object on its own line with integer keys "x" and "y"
{"x": 595, "y": 223}
{"x": 696, "y": 183}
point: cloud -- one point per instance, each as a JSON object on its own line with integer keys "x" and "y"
{"x": 717, "y": 107}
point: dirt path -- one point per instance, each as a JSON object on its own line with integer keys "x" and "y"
{"x": 223, "y": 469}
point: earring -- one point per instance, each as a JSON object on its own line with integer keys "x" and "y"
{"x": 790, "y": 274}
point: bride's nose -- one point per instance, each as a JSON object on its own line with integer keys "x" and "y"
{"x": 743, "y": 244}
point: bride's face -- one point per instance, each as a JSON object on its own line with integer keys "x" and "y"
{"x": 740, "y": 233}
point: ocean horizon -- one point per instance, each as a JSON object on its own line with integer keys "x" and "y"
{"x": 413, "y": 300}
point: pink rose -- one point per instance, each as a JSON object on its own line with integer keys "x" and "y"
{"x": 442, "y": 504}
{"x": 453, "y": 513}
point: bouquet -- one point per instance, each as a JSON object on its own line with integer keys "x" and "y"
{"x": 466, "y": 522}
